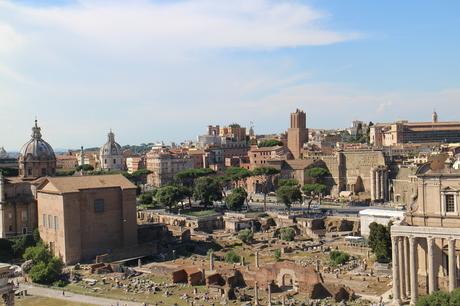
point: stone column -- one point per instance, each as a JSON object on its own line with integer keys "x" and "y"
{"x": 211, "y": 261}
{"x": 452, "y": 265}
{"x": 385, "y": 185}
{"x": 413, "y": 270}
{"x": 395, "y": 262}
{"x": 378, "y": 186}
{"x": 256, "y": 294}
{"x": 382, "y": 185}
{"x": 372, "y": 184}
{"x": 402, "y": 283}
{"x": 406, "y": 266}
{"x": 430, "y": 258}
{"x": 269, "y": 294}
{"x": 257, "y": 259}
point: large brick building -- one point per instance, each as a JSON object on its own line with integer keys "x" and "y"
{"x": 84, "y": 216}
{"x": 390, "y": 134}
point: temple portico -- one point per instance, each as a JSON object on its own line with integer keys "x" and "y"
{"x": 426, "y": 252}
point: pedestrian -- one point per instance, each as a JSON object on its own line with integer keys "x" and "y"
{"x": 63, "y": 293}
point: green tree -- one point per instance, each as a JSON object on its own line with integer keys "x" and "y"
{"x": 85, "y": 168}
{"x": 232, "y": 257}
{"x": 315, "y": 189}
{"x": 22, "y": 243}
{"x": 288, "y": 195}
{"x": 46, "y": 272}
{"x": 266, "y": 174}
{"x": 287, "y": 234}
{"x": 246, "y": 235}
{"x": 168, "y": 196}
{"x": 235, "y": 200}
{"x": 338, "y": 258}
{"x": 38, "y": 253}
{"x": 46, "y": 269}
{"x": 288, "y": 182}
{"x": 146, "y": 198}
{"x": 188, "y": 177}
{"x": 317, "y": 173}
{"x": 380, "y": 241}
{"x": 270, "y": 143}
{"x": 237, "y": 175}
{"x": 207, "y": 190}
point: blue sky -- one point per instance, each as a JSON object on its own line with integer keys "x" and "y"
{"x": 164, "y": 70}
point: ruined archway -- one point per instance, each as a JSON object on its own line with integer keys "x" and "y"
{"x": 287, "y": 279}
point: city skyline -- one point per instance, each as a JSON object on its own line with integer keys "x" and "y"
{"x": 83, "y": 67}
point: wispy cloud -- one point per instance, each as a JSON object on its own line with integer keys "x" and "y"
{"x": 128, "y": 25}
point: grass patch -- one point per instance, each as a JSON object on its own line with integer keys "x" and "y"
{"x": 201, "y": 213}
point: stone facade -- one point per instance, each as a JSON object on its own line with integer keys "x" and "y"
{"x": 425, "y": 254}
{"x": 81, "y": 217}
{"x": 297, "y": 133}
{"x": 390, "y": 134}
{"x": 164, "y": 166}
{"x": 111, "y": 155}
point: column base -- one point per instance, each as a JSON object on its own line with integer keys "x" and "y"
{"x": 396, "y": 302}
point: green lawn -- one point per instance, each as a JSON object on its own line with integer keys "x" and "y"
{"x": 201, "y": 213}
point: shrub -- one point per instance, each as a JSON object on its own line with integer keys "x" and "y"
{"x": 277, "y": 254}
{"x": 232, "y": 257}
{"x": 46, "y": 269}
{"x": 437, "y": 298}
{"x": 287, "y": 234}
{"x": 338, "y": 258}
{"x": 37, "y": 254}
{"x": 246, "y": 235}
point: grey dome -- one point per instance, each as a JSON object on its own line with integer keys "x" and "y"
{"x": 111, "y": 147}
{"x": 36, "y": 148}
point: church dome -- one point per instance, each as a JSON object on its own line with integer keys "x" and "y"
{"x": 111, "y": 147}
{"x": 36, "y": 149}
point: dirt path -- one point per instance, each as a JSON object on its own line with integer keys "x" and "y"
{"x": 73, "y": 297}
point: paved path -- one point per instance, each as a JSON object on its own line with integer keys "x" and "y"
{"x": 73, "y": 297}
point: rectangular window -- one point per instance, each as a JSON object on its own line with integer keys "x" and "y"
{"x": 99, "y": 205}
{"x": 50, "y": 221}
{"x": 450, "y": 203}
{"x": 56, "y": 223}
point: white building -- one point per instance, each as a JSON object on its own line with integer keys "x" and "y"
{"x": 380, "y": 216}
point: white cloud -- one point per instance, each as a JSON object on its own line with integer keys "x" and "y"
{"x": 177, "y": 25}
{"x": 9, "y": 38}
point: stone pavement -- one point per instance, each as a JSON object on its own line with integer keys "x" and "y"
{"x": 73, "y": 297}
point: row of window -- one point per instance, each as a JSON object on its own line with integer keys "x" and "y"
{"x": 50, "y": 222}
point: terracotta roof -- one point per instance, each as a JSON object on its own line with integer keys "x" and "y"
{"x": 70, "y": 184}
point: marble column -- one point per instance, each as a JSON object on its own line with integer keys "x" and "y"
{"x": 413, "y": 270}
{"x": 372, "y": 184}
{"x": 395, "y": 262}
{"x": 452, "y": 265}
{"x": 382, "y": 184}
{"x": 256, "y": 294}
{"x": 402, "y": 283}
{"x": 431, "y": 270}
{"x": 257, "y": 259}
{"x": 269, "y": 294}
{"x": 378, "y": 185}
{"x": 406, "y": 266}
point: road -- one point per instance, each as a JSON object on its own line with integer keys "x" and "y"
{"x": 73, "y": 297}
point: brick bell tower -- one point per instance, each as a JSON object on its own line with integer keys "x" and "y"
{"x": 297, "y": 133}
